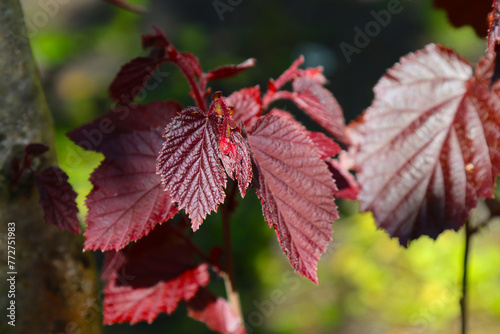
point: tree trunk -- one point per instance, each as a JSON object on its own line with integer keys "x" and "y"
{"x": 55, "y": 282}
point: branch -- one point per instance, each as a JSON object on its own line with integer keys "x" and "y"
{"x": 227, "y": 210}
{"x": 463, "y": 300}
{"x": 66, "y": 299}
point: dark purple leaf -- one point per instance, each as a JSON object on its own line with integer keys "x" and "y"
{"x": 35, "y": 149}
{"x": 57, "y": 199}
{"x": 467, "y": 12}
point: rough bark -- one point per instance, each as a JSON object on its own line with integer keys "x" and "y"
{"x": 55, "y": 281}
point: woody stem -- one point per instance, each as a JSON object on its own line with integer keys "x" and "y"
{"x": 227, "y": 210}
{"x": 463, "y": 299}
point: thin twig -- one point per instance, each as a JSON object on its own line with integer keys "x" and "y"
{"x": 228, "y": 274}
{"x": 463, "y": 300}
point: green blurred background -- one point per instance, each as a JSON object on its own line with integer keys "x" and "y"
{"x": 368, "y": 284}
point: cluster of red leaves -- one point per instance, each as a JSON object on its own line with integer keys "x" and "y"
{"x": 157, "y": 273}
{"x": 426, "y": 150}
{"x": 135, "y": 189}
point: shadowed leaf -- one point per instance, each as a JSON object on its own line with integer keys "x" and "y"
{"x": 467, "y": 12}
{"x": 150, "y": 277}
{"x": 58, "y": 199}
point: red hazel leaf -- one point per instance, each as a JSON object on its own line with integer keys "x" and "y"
{"x": 189, "y": 163}
{"x": 247, "y": 105}
{"x": 230, "y": 70}
{"x": 295, "y": 189}
{"x": 57, "y": 199}
{"x": 425, "y": 158}
{"x": 127, "y": 200}
{"x": 325, "y": 145}
{"x": 317, "y": 102}
{"x": 237, "y": 161}
{"x": 347, "y": 186}
{"x": 150, "y": 277}
{"x": 215, "y": 312}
